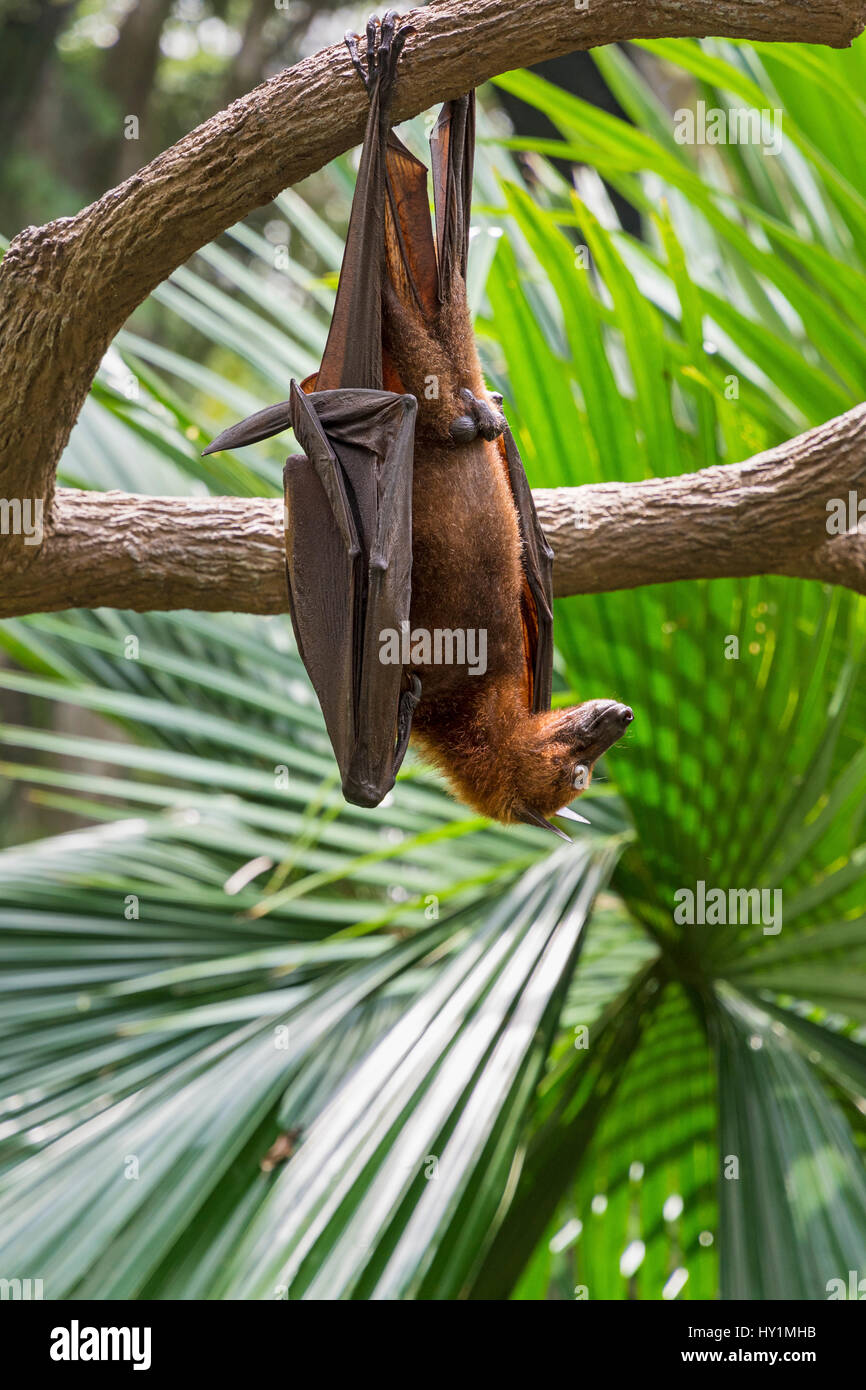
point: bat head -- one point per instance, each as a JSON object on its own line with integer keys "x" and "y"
{"x": 559, "y": 754}
{"x": 511, "y": 765}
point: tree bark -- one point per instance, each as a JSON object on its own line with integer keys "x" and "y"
{"x": 767, "y": 515}
{"x": 66, "y": 288}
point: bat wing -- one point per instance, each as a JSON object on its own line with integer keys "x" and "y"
{"x": 349, "y": 495}
{"x": 265, "y": 423}
{"x": 536, "y": 601}
{"x": 452, "y": 149}
{"x": 393, "y": 244}
{"x": 349, "y": 562}
{"x": 349, "y": 500}
{"x": 410, "y": 255}
{"x": 389, "y": 240}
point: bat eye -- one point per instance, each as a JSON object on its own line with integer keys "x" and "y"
{"x": 580, "y": 780}
{"x": 496, "y": 398}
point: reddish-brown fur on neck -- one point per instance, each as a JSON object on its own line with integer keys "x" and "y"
{"x": 500, "y": 759}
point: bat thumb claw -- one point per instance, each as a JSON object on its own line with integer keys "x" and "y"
{"x": 530, "y": 817}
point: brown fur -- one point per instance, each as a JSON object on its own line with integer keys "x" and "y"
{"x": 467, "y": 574}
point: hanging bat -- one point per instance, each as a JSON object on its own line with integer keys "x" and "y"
{"x": 410, "y": 521}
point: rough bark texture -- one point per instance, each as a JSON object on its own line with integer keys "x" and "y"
{"x": 765, "y": 516}
{"x": 66, "y": 288}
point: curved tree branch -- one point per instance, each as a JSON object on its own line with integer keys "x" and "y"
{"x": 66, "y": 288}
{"x": 767, "y": 515}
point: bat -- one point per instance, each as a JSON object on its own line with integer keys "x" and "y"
{"x": 419, "y": 578}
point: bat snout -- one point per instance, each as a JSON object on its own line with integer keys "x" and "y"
{"x": 624, "y": 714}
{"x": 594, "y": 726}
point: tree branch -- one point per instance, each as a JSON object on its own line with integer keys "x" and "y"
{"x": 767, "y": 515}
{"x": 66, "y": 288}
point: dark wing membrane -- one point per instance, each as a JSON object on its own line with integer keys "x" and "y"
{"x": 272, "y": 420}
{"x": 353, "y": 352}
{"x": 349, "y": 560}
{"x": 410, "y": 272}
{"x": 410, "y": 255}
{"x": 536, "y": 604}
{"x": 452, "y": 149}
{"x": 389, "y": 233}
{"x": 349, "y": 496}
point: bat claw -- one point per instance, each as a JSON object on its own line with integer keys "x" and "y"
{"x": 530, "y": 817}
{"x": 386, "y": 39}
{"x": 387, "y": 25}
{"x": 372, "y": 48}
{"x": 478, "y": 419}
{"x": 351, "y": 42}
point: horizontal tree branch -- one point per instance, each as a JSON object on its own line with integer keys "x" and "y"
{"x": 767, "y": 515}
{"x": 68, "y": 287}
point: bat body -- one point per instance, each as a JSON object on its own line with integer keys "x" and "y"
{"x": 419, "y": 577}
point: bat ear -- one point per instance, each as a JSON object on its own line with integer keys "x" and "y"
{"x": 535, "y": 818}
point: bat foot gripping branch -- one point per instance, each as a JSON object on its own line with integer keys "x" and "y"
{"x": 385, "y": 41}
